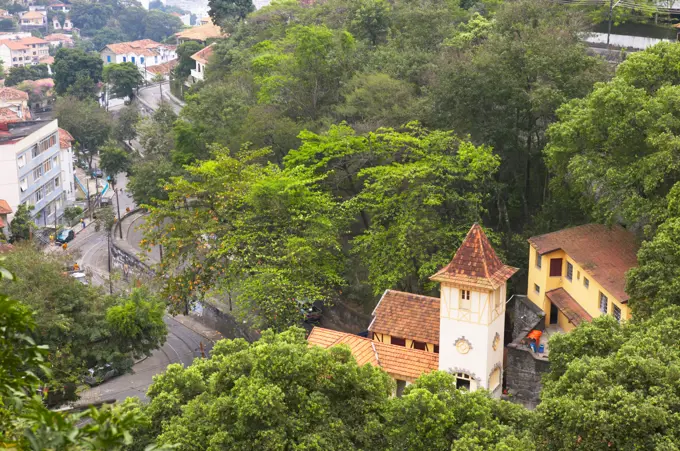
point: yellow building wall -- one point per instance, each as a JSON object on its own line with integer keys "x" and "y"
{"x": 588, "y": 298}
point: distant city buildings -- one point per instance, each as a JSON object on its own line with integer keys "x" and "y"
{"x": 23, "y": 51}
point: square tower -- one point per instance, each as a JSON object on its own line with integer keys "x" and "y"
{"x": 472, "y": 313}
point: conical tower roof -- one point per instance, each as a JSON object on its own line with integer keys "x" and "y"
{"x": 475, "y": 264}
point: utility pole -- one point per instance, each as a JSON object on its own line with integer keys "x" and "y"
{"x": 108, "y": 246}
{"x": 612, "y": 5}
{"x": 120, "y": 226}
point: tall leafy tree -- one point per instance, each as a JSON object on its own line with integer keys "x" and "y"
{"x": 69, "y": 64}
{"x": 89, "y": 124}
{"x": 125, "y": 128}
{"x": 184, "y": 62}
{"x": 90, "y": 17}
{"x": 221, "y": 10}
{"x": 124, "y": 79}
{"x": 21, "y": 224}
{"x": 511, "y": 112}
{"x": 21, "y": 73}
{"x": 114, "y": 160}
{"x": 159, "y": 25}
{"x": 615, "y": 148}
{"x": 615, "y": 387}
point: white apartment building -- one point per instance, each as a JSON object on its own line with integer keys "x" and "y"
{"x": 23, "y": 51}
{"x": 31, "y": 169}
{"x": 142, "y": 53}
{"x": 66, "y": 159}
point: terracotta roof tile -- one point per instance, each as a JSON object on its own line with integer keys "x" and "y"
{"x": 5, "y": 209}
{"x": 568, "y": 306}
{"x": 7, "y": 93}
{"x": 145, "y": 47}
{"x": 32, "y": 40}
{"x": 203, "y": 55}
{"x": 476, "y": 263}
{"x": 399, "y": 362}
{"x": 8, "y": 116}
{"x": 13, "y": 44}
{"x": 202, "y": 33}
{"x": 407, "y": 315}
{"x": 33, "y": 15}
{"x": 605, "y": 253}
{"x": 163, "y": 68}
{"x": 65, "y": 139}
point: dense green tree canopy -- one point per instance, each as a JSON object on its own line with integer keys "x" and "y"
{"x": 21, "y": 73}
{"x": 123, "y": 78}
{"x": 82, "y": 327}
{"x": 89, "y": 124}
{"x": 69, "y": 64}
{"x": 221, "y": 10}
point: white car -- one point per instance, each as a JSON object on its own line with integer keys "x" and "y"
{"x": 80, "y": 277}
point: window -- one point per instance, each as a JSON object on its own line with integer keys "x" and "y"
{"x": 23, "y": 184}
{"x": 555, "y": 267}
{"x": 570, "y": 271}
{"x": 56, "y": 182}
{"x": 21, "y": 161}
{"x": 125, "y": 59}
{"x": 141, "y": 59}
{"x": 44, "y": 145}
{"x": 34, "y": 151}
{"x": 578, "y": 275}
{"x": 497, "y": 299}
{"x": 537, "y": 289}
{"x": 37, "y": 172}
{"x": 495, "y": 379}
{"x": 198, "y": 67}
{"x": 436, "y": 349}
{"x": 155, "y": 59}
{"x": 463, "y": 381}
{"x": 419, "y": 345}
{"x": 464, "y": 300}
{"x": 55, "y": 161}
{"x": 49, "y": 187}
{"x": 616, "y": 311}
{"x": 398, "y": 341}
{"x": 132, "y": 58}
{"x": 108, "y": 58}
{"x": 47, "y": 166}
{"x": 401, "y": 385}
{"x": 539, "y": 260}
{"x": 586, "y": 282}
{"x": 603, "y": 303}
{"x": 39, "y": 194}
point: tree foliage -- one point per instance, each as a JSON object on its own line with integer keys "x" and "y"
{"x": 124, "y": 79}
{"x": 70, "y": 65}
{"x": 17, "y": 74}
{"x": 89, "y": 124}
{"x": 21, "y": 224}
{"x": 221, "y": 10}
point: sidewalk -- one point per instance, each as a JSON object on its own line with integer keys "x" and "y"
{"x": 190, "y": 322}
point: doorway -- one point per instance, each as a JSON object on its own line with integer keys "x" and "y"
{"x": 553, "y": 313}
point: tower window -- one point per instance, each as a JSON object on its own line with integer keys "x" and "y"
{"x": 464, "y": 300}
{"x": 570, "y": 271}
{"x": 538, "y": 260}
{"x": 616, "y": 311}
{"x": 495, "y": 379}
{"x": 603, "y": 303}
{"x": 419, "y": 345}
{"x": 463, "y": 381}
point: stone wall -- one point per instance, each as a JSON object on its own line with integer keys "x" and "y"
{"x": 123, "y": 256}
{"x": 523, "y": 369}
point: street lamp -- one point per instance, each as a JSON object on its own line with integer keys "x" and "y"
{"x": 612, "y": 5}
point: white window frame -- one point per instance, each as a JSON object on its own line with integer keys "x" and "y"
{"x": 464, "y": 302}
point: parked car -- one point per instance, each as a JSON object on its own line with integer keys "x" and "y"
{"x": 80, "y": 277}
{"x": 65, "y": 236}
{"x": 310, "y": 312}
{"x": 96, "y": 172}
{"x": 100, "y": 375}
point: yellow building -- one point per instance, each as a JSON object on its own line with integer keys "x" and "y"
{"x": 577, "y": 274}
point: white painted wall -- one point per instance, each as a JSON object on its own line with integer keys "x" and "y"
{"x": 479, "y": 327}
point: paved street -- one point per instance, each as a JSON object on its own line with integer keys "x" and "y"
{"x": 185, "y": 334}
{"x": 152, "y": 97}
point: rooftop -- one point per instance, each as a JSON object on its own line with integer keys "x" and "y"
{"x": 399, "y": 362}
{"x": 33, "y": 15}
{"x": 163, "y": 68}
{"x": 7, "y": 93}
{"x": 203, "y": 55}
{"x": 5, "y": 209}
{"x": 604, "y": 252}
{"x": 58, "y": 37}
{"x": 476, "y": 263}
{"x": 202, "y": 33}
{"x": 568, "y": 306}
{"x": 13, "y": 132}
{"x": 146, "y": 47}
{"x": 8, "y": 115}
{"x": 65, "y": 139}
{"x": 406, "y": 315}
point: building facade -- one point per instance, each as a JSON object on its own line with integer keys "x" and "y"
{"x": 460, "y": 332}
{"x": 33, "y": 20}
{"x": 66, "y": 157}
{"x": 201, "y": 60}
{"x": 579, "y": 273}
{"x": 23, "y": 51}
{"x": 30, "y": 169}
{"x": 142, "y": 53}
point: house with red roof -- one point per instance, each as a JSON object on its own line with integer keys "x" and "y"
{"x": 201, "y": 61}
{"x": 5, "y": 210}
{"x": 142, "y": 53}
{"x": 461, "y": 331}
{"x": 23, "y": 51}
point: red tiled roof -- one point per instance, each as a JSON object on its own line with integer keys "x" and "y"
{"x": 163, "y": 68}
{"x": 58, "y": 37}
{"x": 65, "y": 139}
{"x": 399, "y": 362}
{"x": 145, "y": 47}
{"x": 5, "y": 209}
{"x": 7, "y": 93}
{"x": 13, "y": 44}
{"x": 568, "y": 306}
{"x": 32, "y": 15}
{"x": 476, "y": 263}
{"x": 31, "y": 40}
{"x": 605, "y": 253}
{"x": 203, "y": 55}
{"x": 406, "y": 315}
{"x": 8, "y": 116}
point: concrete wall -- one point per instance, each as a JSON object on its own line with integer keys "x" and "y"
{"x": 123, "y": 256}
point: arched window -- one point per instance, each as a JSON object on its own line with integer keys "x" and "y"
{"x": 463, "y": 380}
{"x": 494, "y": 379}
